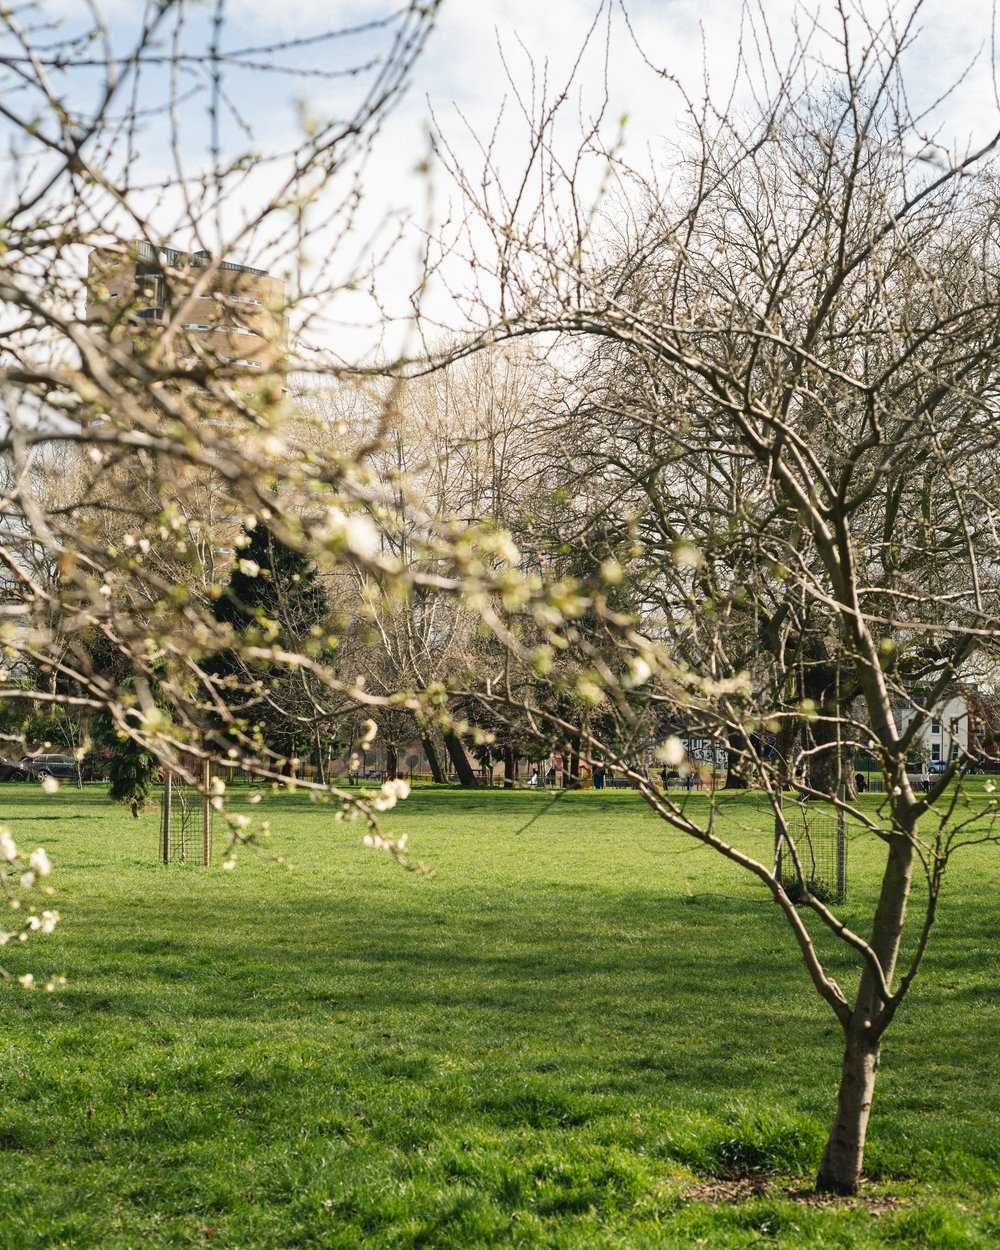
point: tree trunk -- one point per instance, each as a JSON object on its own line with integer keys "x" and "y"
{"x": 509, "y": 767}
{"x": 840, "y": 1169}
{"x": 572, "y": 781}
{"x": 834, "y": 759}
{"x": 434, "y": 760}
{"x": 736, "y": 769}
{"x": 456, "y": 753}
{"x": 784, "y": 749}
{"x": 825, "y": 769}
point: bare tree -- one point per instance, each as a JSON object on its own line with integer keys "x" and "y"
{"x": 790, "y": 389}
{"x": 457, "y": 450}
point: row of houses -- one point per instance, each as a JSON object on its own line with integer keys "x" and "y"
{"x": 965, "y": 724}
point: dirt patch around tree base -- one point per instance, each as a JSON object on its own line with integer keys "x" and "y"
{"x": 760, "y": 1185}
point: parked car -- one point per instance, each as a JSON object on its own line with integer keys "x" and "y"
{"x": 62, "y": 767}
{"x": 12, "y": 772}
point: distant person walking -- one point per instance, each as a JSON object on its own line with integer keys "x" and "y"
{"x": 925, "y": 777}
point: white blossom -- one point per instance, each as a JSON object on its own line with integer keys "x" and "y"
{"x": 639, "y": 672}
{"x": 671, "y": 751}
{"x": 686, "y": 555}
{"x": 8, "y": 847}
{"x": 356, "y": 531}
{"x": 40, "y": 862}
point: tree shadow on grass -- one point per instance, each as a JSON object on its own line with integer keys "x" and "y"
{"x": 54, "y": 816}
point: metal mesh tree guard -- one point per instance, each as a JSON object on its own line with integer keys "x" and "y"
{"x": 185, "y": 824}
{"x": 819, "y": 833}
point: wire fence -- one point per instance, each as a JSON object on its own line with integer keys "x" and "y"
{"x": 185, "y": 824}
{"x": 818, "y": 835}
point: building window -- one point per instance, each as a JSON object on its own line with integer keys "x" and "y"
{"x": 936, "y": 751}
{"x": 196, "y": 325}
{"x": 935, "y": 726}
{"x": 223, "y": 295}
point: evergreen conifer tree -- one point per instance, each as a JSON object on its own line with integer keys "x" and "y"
{"x": 275, "y": 598}
{"x": 131, "y": 771}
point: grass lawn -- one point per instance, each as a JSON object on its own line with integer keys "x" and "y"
{"x": 584, "y": 1032}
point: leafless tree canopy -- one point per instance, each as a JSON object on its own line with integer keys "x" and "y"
{"x": 783, "y": 441}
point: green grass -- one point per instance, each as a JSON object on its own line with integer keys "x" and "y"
{"x": 549, "y": 1044}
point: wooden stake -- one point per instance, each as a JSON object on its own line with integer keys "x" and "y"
{"x": 207, "y": 822}
{"x": 167, "y": 797}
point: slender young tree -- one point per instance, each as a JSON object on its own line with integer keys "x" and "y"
{"x": 790, "y": 372}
